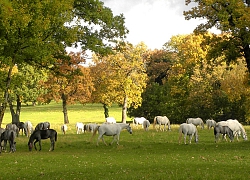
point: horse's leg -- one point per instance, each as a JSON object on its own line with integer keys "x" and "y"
{"x": 5, "y": 144}
{"x": 103, "y": 141}
{"x": 115, "y": 137}
{"x": 190, "y": 138}
{"x": 237, "y": 135}
{"x": 185, "y": 138}
{"x": 40, "y": 145}
{"x": 10, "y": 145}
{"x": 35, "y": 145}
{"x": 216, "y": 137}
{"x": 52, "y": 144}
{"x": 224, "y": 136}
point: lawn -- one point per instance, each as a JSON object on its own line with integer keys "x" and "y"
{"x": 142, "y": 155}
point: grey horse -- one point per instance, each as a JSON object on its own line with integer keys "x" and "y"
{"x": 8, "y": 136}
{"x": 196, "y": 122}
{"x": 146, "y": 125}
{"x": 210, "y": 123}
{"x": 224, "y": 130}
{"x": 162, "y": 120}
{"x": 188, "y": 129}
{"x": 111, "y": 130}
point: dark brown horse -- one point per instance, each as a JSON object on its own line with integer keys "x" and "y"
{"x": 38, "y": 135}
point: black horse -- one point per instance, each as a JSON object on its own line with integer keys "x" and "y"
{"x": 38, "y": 135}
{"x": 8, "y": 135}
{"x": 224, "y": 130}
{"x": 21, "y": 126}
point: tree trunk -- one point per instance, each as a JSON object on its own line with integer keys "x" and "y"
{"x": 106, "y": 110}
{"x": 247, "y": 56}
{"x": 124, "y": 109}
{"x": 65, "y": 111}
{"x": 15, "y": 115}
{"x": 6, "y": 94}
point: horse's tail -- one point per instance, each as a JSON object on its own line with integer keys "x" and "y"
{"x": 94, "y": 133}
{"x": 55, "y": 136}
{"x": 154, "y": 122}
{"x": 12, "y": 136}
{"x": 133, "y": 121}
{"x": 180, "y": 134}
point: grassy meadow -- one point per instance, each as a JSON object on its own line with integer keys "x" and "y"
{"x": 142, "y": 155}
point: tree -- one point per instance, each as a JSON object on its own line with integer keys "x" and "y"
{"x": 24, "y": 88}
{"x": 158, "y": 64}
{"x": 123, "y": 79}
{"x": 37, "y": 33}
{"x": 70, "y": 83}
{"x": 232, "y": 18}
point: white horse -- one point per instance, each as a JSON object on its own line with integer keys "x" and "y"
{"x": 236, "y": 127}
{"x": 79, "y": 127}
{"x": 188, "y": 129}
{"x": 110, "y": 120}
{"x": 196, "y": 122}
{"x": 210, "y": 123}
{"x": 111, "y": 130}
{"x": 146, "y": 125}
{"x": 162, "y": 120}
{"x": 64, "y": 128}
{"x": 90, "y": 127}
{"x": 29, "y": 127}
{"x": 139, "y": 120}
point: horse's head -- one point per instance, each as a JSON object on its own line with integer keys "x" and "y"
{"x": 129, "y": 128}
{"x": 30, "y": 144}
{"x": 244, "y": 136}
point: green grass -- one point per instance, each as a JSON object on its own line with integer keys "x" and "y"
{"x": 142, "y": 155}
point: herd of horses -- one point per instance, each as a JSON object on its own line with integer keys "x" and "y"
{"x": 231, "y": 128}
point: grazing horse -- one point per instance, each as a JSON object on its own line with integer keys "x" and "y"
{"x": 111, "y": 130}
{"x": 42, "y": 126}
{"x": 146, "y": 125}
{"x": 79, "y": 127}
{"x": 210, "y": 123}
{"x": 110, "y": 120}
{"x": 64, "y": 128}
{"x": 28, "y": 126}
{"x": 224, "y": 130}
{"x": 90, "y": 127}
{"x": 196, "y": 122}
{"x": 21, "y": 126}
{"x": 13, "y": 127}
{"x": 139, "y": 120}
{"x": 161, "y": 120}
{"x": 38, "y": 135}
{"x": 8, "y": 135}
{"x": 188, "y": 129}
{"x": 235, "y": 126}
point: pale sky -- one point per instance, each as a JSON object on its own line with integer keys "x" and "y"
{"x": 153, "y": 21}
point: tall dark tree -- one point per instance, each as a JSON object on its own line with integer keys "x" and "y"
{"x": 232, "y": 19}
